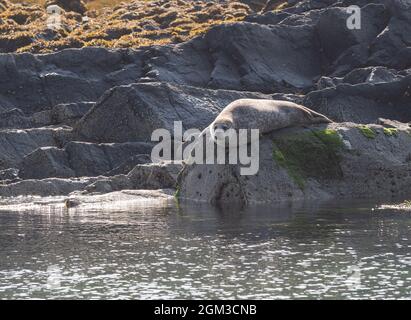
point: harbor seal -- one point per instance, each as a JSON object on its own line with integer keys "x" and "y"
{"x": 249, "y": 114}
{"x": 264, "y": 115}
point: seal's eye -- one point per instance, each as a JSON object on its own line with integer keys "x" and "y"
{"x": 222, "y": 126}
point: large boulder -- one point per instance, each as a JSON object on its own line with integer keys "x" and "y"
{"x": 89, "y": 159}
{"x": 15, "y": 118}
{"x": 44, "y": 163}
{"x": 129, "y": 164}
{"x": 69, "y": 113}
{"x": 367, "y": 101}
{"x": 61, "y": 114}
{"x": 155, "y": 176}
{"x": 133, "y": 112}
{"x": 242, "y": 56}
{"x": 391, "y": 47}
{"x": 16, "y": 144}
{"x": 36, "y": 83}
{"x": 322, "y": 162}
{"x": 340, "y": 48}
{"x": 79, "y": 159}
{"x": 146, "y": 176}
{"x": 337, "y": 41}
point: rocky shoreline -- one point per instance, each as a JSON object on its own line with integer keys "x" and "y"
{"x": 78, "y": 122}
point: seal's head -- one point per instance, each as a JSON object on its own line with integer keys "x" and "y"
{"x": 222, "y": 130}
{"x": 222, "y": 126}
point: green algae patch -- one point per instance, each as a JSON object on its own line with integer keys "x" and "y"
{"x": 367, "y": 132}
{"x": 329, "y": 137}
{"x": 313, "y": 154}
{"x": 290, "y": 167}
{"x": 391, "y": 132}
{"x": 279, "y": 157}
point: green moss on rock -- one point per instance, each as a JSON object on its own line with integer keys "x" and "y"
{"x": 391, "y": 132}
{"x": 279, "y": 157}
{"x": 367, "y": 132}
{"x": 313, "y": 154}
{"x": 329, "y": 137}
{"x": 291, "y": 169}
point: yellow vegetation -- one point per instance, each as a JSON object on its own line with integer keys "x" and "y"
{"x": 112, "y": 23}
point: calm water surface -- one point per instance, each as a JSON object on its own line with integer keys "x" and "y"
{"x": 327, "y": 251}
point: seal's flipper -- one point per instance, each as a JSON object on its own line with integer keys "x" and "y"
{"x": 316, "y": 117}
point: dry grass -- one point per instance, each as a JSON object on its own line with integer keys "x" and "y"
{"x": 91, "y": 4}
{"x": 23, "y": 25}
{"x": 98, "y": 4}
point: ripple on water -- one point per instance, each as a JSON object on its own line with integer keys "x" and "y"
{"x": 199, "y": 252}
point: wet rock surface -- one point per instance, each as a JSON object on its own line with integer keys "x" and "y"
{"x": 81, "y": 119}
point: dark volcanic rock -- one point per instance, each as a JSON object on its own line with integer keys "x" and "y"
{"x": 242, "y": 56}
{"x": 146, "y": 176}
{"x": 16, "y": 144}
{"x": 139, "y": 109}
{"x": 15, "y": 118}
{"x": 335, "y": 38}
{"x": 310, "y": 163}
{"x": 69, "y": 113}
{"x": 44, "y": 188}
{"x": 61, "y": 114}
{"x": 88, "y": 159}
{"x": 289, "y": 55}
{"x": 391, "y": 47}
{"x": 155, "y": 176}
{"x": 285, "y": 55}
{"x": 340, "y": 48}
{"x": 44, "y": 163}
{"x": 129, "y": 164}
{"x": 36, "y": 83}
{"x": 9, "y": 174}
{"x": 79, "y": 159}
{"x": 372, "y": 75}
{"x": 364, "y": 102}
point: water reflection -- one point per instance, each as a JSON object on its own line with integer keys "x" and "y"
{"x": 290, "y": 251}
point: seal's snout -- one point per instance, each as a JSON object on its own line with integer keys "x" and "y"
{"x": 219, "y": 134}
{"x": 219, "y": 131}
